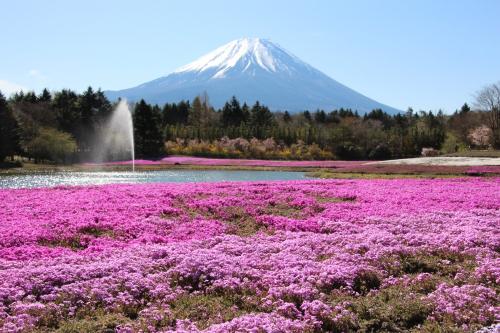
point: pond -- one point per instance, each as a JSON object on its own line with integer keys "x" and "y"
{"x": 112, "y": 177}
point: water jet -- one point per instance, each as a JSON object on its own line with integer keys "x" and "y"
{"x": 118, "y": 136}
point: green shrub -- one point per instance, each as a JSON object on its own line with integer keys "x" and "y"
{"x": 392, "y": 309}
{"x": 380, "y": 152}
{"x": 99, "y": 322}
{"x": 442, "y": 263}
{"x": 209, "y": 309}
{"x": 51, "y": 144}
{"x": 349, "y": 152}
{"x": 366, "y": 281}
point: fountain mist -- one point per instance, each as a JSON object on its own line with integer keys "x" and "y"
{"x": 117, "y": 140}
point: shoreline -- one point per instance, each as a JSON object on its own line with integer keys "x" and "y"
{"x": 310, "y": 173}
{"x": 432, "y": 167}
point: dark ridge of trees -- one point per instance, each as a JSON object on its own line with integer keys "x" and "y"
{"x": 61, "y": 127}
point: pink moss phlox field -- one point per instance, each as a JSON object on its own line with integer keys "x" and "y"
{"x": 484, "y": 170}
{"x": 204, "y": 161}
{"x": 245, "y": 162}
{"x": 294, "y": 256}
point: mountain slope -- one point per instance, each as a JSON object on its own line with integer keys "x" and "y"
{"x": 252, "y": 69}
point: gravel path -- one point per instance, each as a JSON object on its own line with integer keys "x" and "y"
{"x": 451, "y": 161}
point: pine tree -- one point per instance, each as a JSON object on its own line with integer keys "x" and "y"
{"x": 45, "y": 96}
{"x": 142, "y": 115}
{"x": 147, "y": 133}
{"x": 307, "y": 116}
{"x": 245, "y": 112}
{"x": 232, "y": 114}
{"x": 261, "y": 116}
{"x": 66, "y": 109}
{"x": 167, "y": 114}
{"x": 286, "y": 117}
{"x": 226, "y": 115}
{"x": 30, "y": 97}
{"x": 465, "y": 108}
{"x": 17, "y": 97}
{"x": 320, "y": 116}
{"x": 9, "y": 131}
{"x": 183, "y": 108}
{"x": 155, "y": 148}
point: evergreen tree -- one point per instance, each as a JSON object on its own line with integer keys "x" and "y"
{"x": 320, "y": 116}
{"x": 147, "y": 134}
{"x": 173, "y": 114}
{"x": 9, "y": 131}
{"x": 87, "y": 112}
{"x": 182, "y": 114}
{"x": 232, "y": 113}
{"x": 17, "y": 97}
{"x": 261, "y": 116}
{"x": 167, "y": 114}
{"x": 286, "y": 117}
{"x": 465, "y": 109}
{"x": 45, "y": 96}
{"x": 66, "y": 109}
{"x": 93, "y": 108}
{"x": 226, "y": 115}
{"x": 380, "y": 115}
{"x": 30, "y": 97}
{"x": 307, "y": 116}
{"x": 245, "y": 111}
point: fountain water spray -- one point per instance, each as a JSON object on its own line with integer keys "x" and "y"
{"x": 118, "y": 136}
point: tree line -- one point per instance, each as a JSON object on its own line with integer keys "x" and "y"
{"x": 63, "y": 126}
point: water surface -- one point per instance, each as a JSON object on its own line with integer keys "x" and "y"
{"x": 116, "y": 177}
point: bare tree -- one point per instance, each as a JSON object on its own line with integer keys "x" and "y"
{"x": 488, "y": 99}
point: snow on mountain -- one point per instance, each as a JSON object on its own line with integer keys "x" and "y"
{"x": 252, "y": 69}
{"x": 251, "y": 51}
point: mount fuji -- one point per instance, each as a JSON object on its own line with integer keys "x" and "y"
{"x": 252, "y": 69}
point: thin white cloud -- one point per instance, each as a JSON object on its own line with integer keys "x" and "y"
{"x": 34, "y": 72}
{"x": 7, "y": 88}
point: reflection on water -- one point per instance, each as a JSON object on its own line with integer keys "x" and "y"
{"x": 97, "y": 178}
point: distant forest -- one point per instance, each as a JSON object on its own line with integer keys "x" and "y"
{"x": 61, "y": 127}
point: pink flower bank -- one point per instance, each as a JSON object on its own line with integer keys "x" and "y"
{"x": 204, "y": 161}
{"x": 296, "y": 256}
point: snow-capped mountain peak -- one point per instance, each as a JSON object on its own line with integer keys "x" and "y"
{"x": 243, "y": 53}
{"x": 252, "y": 69}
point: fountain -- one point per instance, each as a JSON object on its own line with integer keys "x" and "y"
{"x": 117, "y": 138}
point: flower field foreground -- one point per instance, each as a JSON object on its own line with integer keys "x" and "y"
{"x": 300, "y": 256}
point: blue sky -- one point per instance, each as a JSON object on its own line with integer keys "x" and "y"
{"x": 419, "y": 53}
